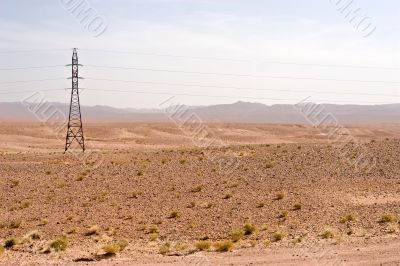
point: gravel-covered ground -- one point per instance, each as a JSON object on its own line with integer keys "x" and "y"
{"x": 165, "y": 199}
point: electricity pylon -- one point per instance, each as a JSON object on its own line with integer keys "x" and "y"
{"x": 75, "y": 129}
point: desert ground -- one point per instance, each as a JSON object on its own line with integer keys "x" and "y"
{"x": 151, "y": 194}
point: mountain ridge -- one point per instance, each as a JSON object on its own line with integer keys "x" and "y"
{"x": 238, "y": 112}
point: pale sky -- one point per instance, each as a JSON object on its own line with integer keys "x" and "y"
{"x": 258, "y": 38}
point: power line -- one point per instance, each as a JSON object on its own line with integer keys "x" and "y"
{"x": 34, "y": 51}
{"x": 196, "y": 95}
{"x": 220, "y": 96}
{"x": 208, "y": 73}
{"x": 243, "y": 60}
{"x": 31, "y": 67}
{"x": 209, "y": 86}
{"x": 239, "y": 88}
{"x": 296, "y": 78}
{"x": 238, "y": 75}
{"x": 191, "y": 95}
{"x": 26, "y": 91}
{"x": 284, "y": 90}
{"x": 165, "y": 55}
{"x": 271, "y": 61}
{"x": 28, "y": 81}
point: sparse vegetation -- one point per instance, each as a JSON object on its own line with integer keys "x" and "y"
{"x": 393, "y": 228}
{"x": 15, "y": 224}
{"x": 227, "y": 196}
{"x": 387, "y": 218}
{"x": 264, "y": 227}
{"x": 1, "y": 250}
{"x": 269, "y": 165}
{"x": 327, "y": 234}
{"x": 94, "y": 230}
{"x": 174, "y": 215}
{"x": 261, "y": 204}
{"x": 10, "y": 242}
{"x": 236, "y": 235}
{"x": 14, "y": 183}
{"x": 59, "y": 244}
{"x": 153, "y": 236}
{"x": 111, "y": 249}
{"x": 233, "y": 185}
{"x": 25, "y": 204}
{"x": 297, "y": 207}
{"x": 347, "y": 218}
{"x": 247, "y": 207}
{"x": 31, "y": 236}
{"x": 196, "y": 189}
{"x": 249, "y": 229}
{"x": 181, "y": 246}
{"x": 114, "y": 248}
{"x": 283, "y": 214}
{"x": 165, "y": 248}
{"x": 44, "y": 222}
{"x": 135, "y": 195}
{"x": 203, "y": 245}
{"x": 277, "y": 236}
{"x": 153, "y": 229}
{"x": 279, "y": 196}
{"x": 223, "y": 246}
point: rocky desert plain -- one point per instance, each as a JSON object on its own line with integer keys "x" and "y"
{"x": 147, "y": 194}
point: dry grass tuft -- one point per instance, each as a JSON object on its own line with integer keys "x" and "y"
{"x": 261, "y": 204}
{"x": 278, "y": 236}
{"x": 174, "y": 215}
{"x": 279, "y": 196}
{"x": 347, "y": 218}
{"x": 327, "y": 234}
{"x": 94, "y": 230}
{"x": 10, "y": 242}
{"x": 237, "y": 235}
{"x": 297, "y": 207}
{"x": 14, "y": 183}
{"x": 153, "y": 229}
{"x": 153, "y": 236}
{"x": 227, "y": 196}
{"x": 249, "y": 229}
{"x": 387, "y": 218}
{"x": 196, "y": 189}
{"x": 114, "y": 248}
{"x": 165, "y": 248}
{"x": 203, "y": 245}
{"x": 15, "y": 224}
{"x": 25, "y": 204}
{"x": 43, "y": 222}
{"x": 223, "y": 246}
{"x": 59, "y": 244}
{"x": 111, "y": 249}
{"x": 31, "y": 236}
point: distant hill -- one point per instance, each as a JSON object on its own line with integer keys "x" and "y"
{"x": 240, "y": 112}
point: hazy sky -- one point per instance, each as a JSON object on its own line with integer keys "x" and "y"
{"x": 261, "y": 39}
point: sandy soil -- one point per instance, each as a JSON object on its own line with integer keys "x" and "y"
{"x": 300, "y": 199}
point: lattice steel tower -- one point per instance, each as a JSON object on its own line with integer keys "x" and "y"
{"x": 75, "y": 129}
